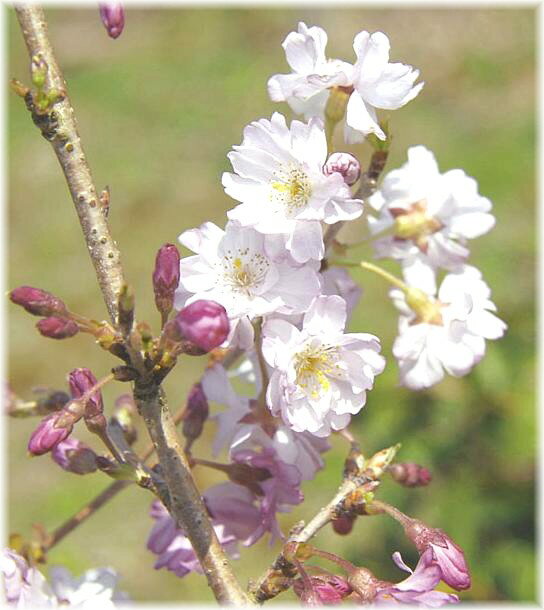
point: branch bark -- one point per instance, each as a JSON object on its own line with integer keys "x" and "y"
{"x": 186, "y": 504}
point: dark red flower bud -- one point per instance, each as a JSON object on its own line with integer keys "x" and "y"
{"x": 47, "y": 435}
{"x": 37, "y": 302}
{"x": 74, "y": 456}
{"x": 113, "y": 18}
{"x": 81, "y": 381}
{"x": 195, "y": 414}
{"x": 166, "y": 278}
{"x": 57, "y": 328}
{"x": 410, "y": 474}
{"x": 343, "y": 525}
{"x": 204, "y": 323}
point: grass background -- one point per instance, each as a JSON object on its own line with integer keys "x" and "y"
{"x": 158, "y": 110}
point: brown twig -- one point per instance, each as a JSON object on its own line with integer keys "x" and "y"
{"x": 186, "y": 505}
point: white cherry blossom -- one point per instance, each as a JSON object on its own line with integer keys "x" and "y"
{"x": 321, "y": 375}
{"x": 371, "y": 83}
{"x": 306, "y": 88}
{"x": 431, "y": 216}
{"x": 448, "y": 332}
{"x": 280, "y": 183}
{"x": 238, "y": 268}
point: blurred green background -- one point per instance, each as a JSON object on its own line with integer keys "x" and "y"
{"x": 158, "y": 110}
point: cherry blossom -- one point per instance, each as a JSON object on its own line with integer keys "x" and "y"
{"x": 321, "y": 375}
{"x": 280, "y": 183}
{"x": 447, "y": 333}
{"x": 430, "y": 215}
{"x": 238, "y": 269}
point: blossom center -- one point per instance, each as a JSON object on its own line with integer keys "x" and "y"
{"x": 313, "y": 365}
{"x": 244, "y": 271}
{"x": 291, "y": 188}
{"x": 415, "y": 224}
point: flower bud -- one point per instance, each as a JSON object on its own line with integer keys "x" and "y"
{"x": 446, "y": 554}
{"x": 410, "y": 474}
{"x": 343, "y": 525}
{"x": 47, "y": 435}
{"x": 166, "y": 278}
{"x": 57, "y": 328}
{"x": 37, "y": 302}
{"x": 113, "y": 18}
{"x": 74, "y": 456}
{"x": 345, "y": 164}
{"x": 204, "y": 323}
{"x": 81, "y": 381}
{"x": 196, "y": 413}
{"x": 323, "y": 589}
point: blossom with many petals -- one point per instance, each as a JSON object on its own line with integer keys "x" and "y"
{"x": 431, "y": 217}
{"x": 278, "y": 178}
{"x": 240, "y": 269}
{"x": 371, "y": 83}
{"x": 448, "y": 332}
{"x": 321, "y": 375}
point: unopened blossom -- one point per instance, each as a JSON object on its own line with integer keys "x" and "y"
{"x": 204, "y": 323}
{"x": 429, "y": 215}
{"x": 445, "y": 553}
{"x": 57, "y": 328}
{"x": 344, "y": 164}
{"x": 240, "y": 427}
{"x": 166, "y": 278}
{"x": 446, "y": 333}
{"x": 418, "y": 588}
{"x": 52, "y": 430}
{"x": 410, "y": 474}
{"x": 371, "y": 83}
{"x": 38, "y": 302}
{"x": 337, "y": 280}
{"x": 74, "y": 456}
{"x": 321, "y": 375}
{"x": 326, "y": 589}
{"x": 234, "y": 519}
{"x": 279, "y": 491}
{"x": 278, "y": 178}
{"x": 113, "y": 18}
{"x": 82, "y": 381}
{"x": 240, "y": 269}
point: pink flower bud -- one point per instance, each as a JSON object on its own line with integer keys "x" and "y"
{"x": 37, "y": 302}
{"x": 166, "y": 277}
{"x": 343, "y": 525}
{"x": 345, "y": 164}
{"x": 410, "y": 474}
{"x": 113, "y": 18}
{"x": 74, "y": 456}
{"x": 446, "y": 554}
{"x": 81, "y": 381}
{"x": 323, "y": 589}
{"x": 204, "y": 323}
{"x": 46, "y": 436}
{"x": 196, "y": 413}
{"x": 57, "y": 328}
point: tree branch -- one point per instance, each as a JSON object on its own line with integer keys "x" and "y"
{"x": 186, "y": 505}
{"x": 67, "y": 145}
